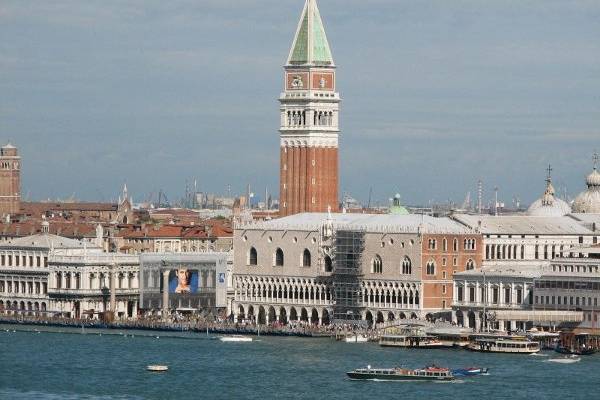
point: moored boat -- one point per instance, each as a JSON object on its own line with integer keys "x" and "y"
{"x": 356, "y": 339}
{"x": 402, "y": 374}
{"x": 504, "y": 345}
{"x": 410, "y": 341}
{"x": 582, "y": 351}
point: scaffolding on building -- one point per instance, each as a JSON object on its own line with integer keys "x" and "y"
{"x": 348, "y": 247}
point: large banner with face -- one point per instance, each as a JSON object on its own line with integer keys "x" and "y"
{"x": 187, "y": 281}
{"x": 183, "y": 280}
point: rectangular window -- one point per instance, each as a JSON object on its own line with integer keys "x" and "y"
{"x": 443, "y": 289}
{"x": 459, "y": 295}
{"x": 472, "y": 295}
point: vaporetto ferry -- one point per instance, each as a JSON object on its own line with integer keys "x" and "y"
{"x": 402, "y": 374}
{"x": 504, "y": 345}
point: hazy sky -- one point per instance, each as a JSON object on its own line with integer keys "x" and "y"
{"x": 436, "y": 94}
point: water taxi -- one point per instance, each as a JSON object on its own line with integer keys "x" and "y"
{"x": 157, "y": 368}
{"x": 504, "y": 345}
{"x": 471, "y": 371}
{"x": 235, "y": 338}
{"x": 401, "y": 374}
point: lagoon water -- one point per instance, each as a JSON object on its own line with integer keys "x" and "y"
{"x": 106, "y": 365}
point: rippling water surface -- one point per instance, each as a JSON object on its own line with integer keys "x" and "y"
{"x": 111, "y": 365}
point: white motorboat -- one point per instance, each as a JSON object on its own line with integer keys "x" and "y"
{"x": 157, "y": 368}
{"x": 235, "y": 338}
{"x": 356, "y": 339}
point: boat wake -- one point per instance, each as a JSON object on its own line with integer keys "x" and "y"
{"x": 539, "y": 355}
{"x": 571, "y": 360}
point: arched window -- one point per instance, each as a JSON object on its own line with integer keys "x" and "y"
{"x": 406, "y": 266}
{"x": 432, "y": 244}
{"x": 455, "y": 245}
{"x": 252, "y": 256}
{"x": 445, "y": 244}
{"x": 279, "y": 258}
{"x": 306, "y": 259}
{"x": 430, "y": 269}
{"x": 377, "y": 265}
{"x": 470, "y": 265}
{"x": 328, "y": 264}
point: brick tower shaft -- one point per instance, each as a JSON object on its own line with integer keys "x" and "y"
{"x": 309, "y": 128}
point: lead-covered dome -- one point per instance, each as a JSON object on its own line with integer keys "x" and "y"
{"x": 549, "y": 205}
{"x": 589, "y": 201}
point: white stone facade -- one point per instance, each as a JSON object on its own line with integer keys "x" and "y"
{"x": 90, "y": 284}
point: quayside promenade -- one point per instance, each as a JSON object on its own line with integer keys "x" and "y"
{"x": 219, "y": 327}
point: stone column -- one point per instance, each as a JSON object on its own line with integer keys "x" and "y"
{"x": 500, "y": 294}
{"x": 113, "y": 290}
{"x": 165, "y": 294}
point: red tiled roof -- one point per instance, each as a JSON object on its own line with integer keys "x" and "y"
{"x": 41, "y": 207}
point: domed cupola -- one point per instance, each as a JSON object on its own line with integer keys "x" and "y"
{"x": 548, "y": 205}
{"x": 588, "y": 201}
{"x": 397, "y": 207}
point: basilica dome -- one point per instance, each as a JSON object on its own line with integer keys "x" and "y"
{"x": 396, "y": 207}
{"x": 589, "y": 200}
{"x": 549, "y": 205}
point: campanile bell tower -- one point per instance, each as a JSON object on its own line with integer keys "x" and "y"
{"x": 309, "y": 121}
{"x": 10, "y": 180}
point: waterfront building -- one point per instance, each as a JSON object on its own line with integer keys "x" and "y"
{"x": 362, "y": 268}
{"x": 588, "y": 201}
{"x": 10, "y": 180}
{"x": 309, "y": 128}
{"x": 91, "y": 283}
{"x": 24, "y": 270}
{"x": 480, "y": 294}
{"x": 526, "y": 240}
{"x": 572, "y": 283}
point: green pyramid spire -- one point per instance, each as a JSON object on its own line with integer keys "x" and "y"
{"x": 310, "y": 43}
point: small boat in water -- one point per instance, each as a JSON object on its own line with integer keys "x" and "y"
{"x": 431, "y": 373}
{"x": 582, "y": 351}
{"x": 235, "y": 338}
{"x": 471, "y": 371}
{"x": 157, "y": 368}
{"x": 356, "y": 339}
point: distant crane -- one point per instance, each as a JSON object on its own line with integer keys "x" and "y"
{"x": 162, "y": 195}
{"x": 466, "y": 205}
{"x": 479, "y": 196}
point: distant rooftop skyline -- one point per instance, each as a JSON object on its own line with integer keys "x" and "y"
{"x": 436, "y": 95}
